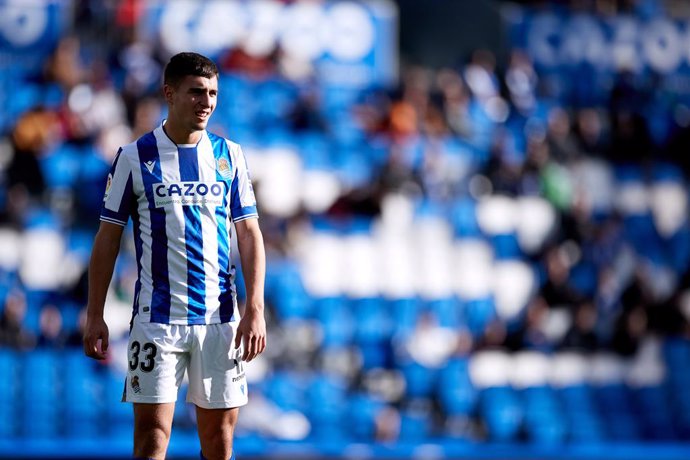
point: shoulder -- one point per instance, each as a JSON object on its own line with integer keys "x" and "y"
{"x": 233, "y": 148}
{"x": 125, "y": 154}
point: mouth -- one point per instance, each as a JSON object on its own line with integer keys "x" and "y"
{"x": 203, "y": 115}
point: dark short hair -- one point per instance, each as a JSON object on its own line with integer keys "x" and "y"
{"x": 185, "y": 64}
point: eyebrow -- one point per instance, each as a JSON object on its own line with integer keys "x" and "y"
{"x": 200, "y": 89}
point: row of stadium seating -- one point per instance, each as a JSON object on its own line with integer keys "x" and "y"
{"x": 527, "y": 396}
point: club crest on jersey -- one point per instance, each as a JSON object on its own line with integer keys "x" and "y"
{"x": 188, "y": 193}
{"x": 223, "y": 168}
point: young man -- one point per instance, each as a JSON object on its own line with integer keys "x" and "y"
{"x": 182, "y": 186}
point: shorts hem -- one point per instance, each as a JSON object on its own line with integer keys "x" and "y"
{"x": 150, "y": 399}
{"x": 217, "y": 404}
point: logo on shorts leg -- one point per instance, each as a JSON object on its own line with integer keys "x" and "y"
{"x": 242, "y": 388}
{"x": 135, "y": 384}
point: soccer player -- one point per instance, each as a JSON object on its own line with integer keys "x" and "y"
{"x": 182, "y": 186}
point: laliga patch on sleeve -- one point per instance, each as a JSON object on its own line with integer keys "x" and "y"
{"x": 107, "y": 187}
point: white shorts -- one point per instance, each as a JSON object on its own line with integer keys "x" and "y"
{"x": 159, "y": 354}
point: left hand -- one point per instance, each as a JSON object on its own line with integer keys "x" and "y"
{"x": 252, "y": 329}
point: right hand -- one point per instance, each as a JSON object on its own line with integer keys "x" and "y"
{"x": 96, "y": 338}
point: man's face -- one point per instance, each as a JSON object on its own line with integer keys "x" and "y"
{"x": 192, "y": 102}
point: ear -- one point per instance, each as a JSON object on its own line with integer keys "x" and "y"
{"x": 168, "y": 92}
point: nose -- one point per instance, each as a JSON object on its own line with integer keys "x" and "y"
{"x": 205, "y": 100}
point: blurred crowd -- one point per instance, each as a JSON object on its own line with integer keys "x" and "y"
{"x": 562, "y": 224}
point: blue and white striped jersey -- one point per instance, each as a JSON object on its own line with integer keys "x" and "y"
{"x": 181, "y": 199}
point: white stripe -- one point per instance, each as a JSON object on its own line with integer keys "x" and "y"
{"x": 118, "y": 181}
{"x": 231, "y": 229}
{"x": 207, "y": 173}
{"x": 145, "y": 278}
{"x": 175, "y": 228}
{"x": 248, "y": 216}
{"x": 113, "y": 221}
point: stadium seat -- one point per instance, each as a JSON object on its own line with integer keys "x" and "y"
{"x": 82, "y": 393}
{"x": 337, "y": 321}
{"x": 40, "y": 398}
{"x": 420, "y": 380}
{"x": 326, "y": 407}
{"x": 455, "y": 391}
{"x": 502, "y": 413}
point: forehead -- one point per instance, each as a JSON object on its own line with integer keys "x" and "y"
{"x": 193, "y": 81}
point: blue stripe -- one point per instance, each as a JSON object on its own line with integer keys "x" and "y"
{"x": 194, "y": 242}
{"x": 160, "y": 301}
{"x": 225, "y": 298}
{"x": 139, "y": 250}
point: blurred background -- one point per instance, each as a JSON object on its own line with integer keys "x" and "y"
{"x": 475, "y": 215}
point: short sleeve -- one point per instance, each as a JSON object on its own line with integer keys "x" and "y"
{"x": 242, "y": 199}
{"x": 118, "y": 192}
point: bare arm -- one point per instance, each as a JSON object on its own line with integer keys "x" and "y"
{"x": 252, "y": 325}
{"x": 103, "y": 255}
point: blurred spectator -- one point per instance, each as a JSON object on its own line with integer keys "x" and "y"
{"x": 430, "y": 344}
{"x": 12, "y": 331}
{"x": 76, "y": 337}
{"x": 50, "y": 332}
{"x": 557, "y": 290}
{"x": 36, "y": 131}
{"x": 582, "y": 335}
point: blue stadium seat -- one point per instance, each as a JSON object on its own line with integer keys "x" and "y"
{"x": 420, "y": 380}
{"x": 544, "y": 422}
{"x": 373, "y": 331}
{"x": 326, "y": 407}
{"x": 40, "y": 400}
{"x": 337, "y": 321}
{"x": 584, "y": 424}
{"x": 502, "y": 413}
{"x": 478, "y": 314}
{"x": 362, "y": 413}
{"x": 506, "y": 246}
{"x": 455, "y": 391}
{"x": 61, "y": 166}
{"x": 287, "y": 390}
{"x": 286, "y": 292}
{"x": 415, "y": 425}
{"x": 313, "y": 148}
{"x": 118, "y": 416}
{"x": 276, "y": 99}
{"x": 404, "y": 313}
{"x": 9, "y": 387}
{"x": 464, "y": 218}
{"x": 447, "y": 310}
{"x": 653, "y": 410}
{"x": 373, "y": 322}
{"x": 82, "y": 393}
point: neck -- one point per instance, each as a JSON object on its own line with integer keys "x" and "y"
{"x": 180, "y": 135}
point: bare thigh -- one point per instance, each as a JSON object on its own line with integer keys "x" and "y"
{"x": 152, "y": 426}
{"x": 216, "y": 428}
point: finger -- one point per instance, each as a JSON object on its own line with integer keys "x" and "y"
{"x": 89, "y": 347}
{"x": 251, "y": 348}
{"x": 101, "y": 347}
{"x": 256, "y": 343}
{"x": 247, "y": 344}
